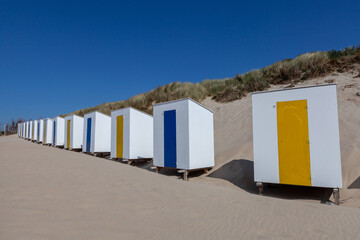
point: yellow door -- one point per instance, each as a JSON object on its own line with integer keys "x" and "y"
{"x": 293, "y": 143}
{"x": 119, "y": 136}
{"x": 44, "y": 133}
{"x": 68, "y": 134}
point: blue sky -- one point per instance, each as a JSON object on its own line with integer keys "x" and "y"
{"x": 61, "y": 56}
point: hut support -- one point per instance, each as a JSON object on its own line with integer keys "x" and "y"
{"x": 185, "y": 174}
{"x": 261, "y": 188}
{"x": 130, "y": 161}
{"x": 336, "y": 196}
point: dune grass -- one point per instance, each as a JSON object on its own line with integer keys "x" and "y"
{"x": 301, "y": 68}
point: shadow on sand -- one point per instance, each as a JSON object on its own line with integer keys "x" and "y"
{"x": 240, "y": 172}
{"x": 355, "y": 184}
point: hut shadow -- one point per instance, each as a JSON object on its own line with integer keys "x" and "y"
{"x": 355, "y": 184}
{"x": 240, "y": 172}
{"x": 170, "y": 172}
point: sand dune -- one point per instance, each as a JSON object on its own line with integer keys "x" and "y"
{"x": 48, "y": 193}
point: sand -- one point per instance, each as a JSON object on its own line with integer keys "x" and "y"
{"x": 48, "y": 193}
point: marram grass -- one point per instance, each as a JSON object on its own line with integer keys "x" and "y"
{"x": 301, "y": 68}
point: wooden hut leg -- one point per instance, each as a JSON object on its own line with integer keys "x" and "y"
{"x": 129, "y": 162}
{"x": 186, "y": 172}
{"x": 261, "y": 188}
{"x": 157, "y": 169}
{"x": 336, "y": 196}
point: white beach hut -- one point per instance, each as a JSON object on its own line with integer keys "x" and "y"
{"x": 26, "y": 130}
{"x": 31, "y": 125}
{"x": 40, "y": 131}
{"x": 48, "y": 131}
{"x": 58, "y": 131}
{"x": 97, "y": 133}
{"x": 35, "y": 130}
{"x": 23, "y": 129}
{"x": 183, "y": 136}
{"x": 74, "y": 130}
{"x": 131, "y": 134}
{"x": 30, "y": 130}
{"x": 296, "y": 137}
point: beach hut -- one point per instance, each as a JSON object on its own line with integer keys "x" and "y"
{"x": 26, "y": 130}
{"x": 74, "y": 128}
{"x": 296, "y": 137}
{"x": 48, "y": 131}
{"x": 18, "y": 129}
{"x": 23, "y": 130}
{"x": 183, "y": 136}
{"x": 58, "y": 132}
{"x": 97, "y": 133}
{"x": 131, "y": 135}
{"x": 30, "y": 130}
{"x": 35, "y": 130}
{"x": 40, "y": 131}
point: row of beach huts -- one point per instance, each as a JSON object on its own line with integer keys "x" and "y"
{"x": 295, "y": 136}
{"x": 179, "y": 135}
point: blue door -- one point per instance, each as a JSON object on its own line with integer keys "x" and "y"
{"x": 170, "y": 138}
{"x": 88, "y": 135}
{"x": 54, "y": 133}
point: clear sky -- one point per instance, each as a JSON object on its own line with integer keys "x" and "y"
{"x": 61, "y": 56}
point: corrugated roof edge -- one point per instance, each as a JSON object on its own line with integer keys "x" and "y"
{"x": 133, "y": 109}
{"x": 286, "y": 89}
{"x": 183, "y": 99}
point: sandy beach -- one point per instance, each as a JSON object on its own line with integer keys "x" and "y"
{"x": 49, "y": 193}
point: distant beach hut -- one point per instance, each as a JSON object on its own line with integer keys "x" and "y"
{"x": 183, "y": 136}
{"x": 26, "y": 130}
{"x": 40, "y": 131}
{"x": 30, "y": 130}
{"x": 131, "y": 135}
{"x": 19, "y": 129}
{"x": 74, "y": 128}
{"x": 97, "y": 133}
{"x": 35, "y": 130}
{"x": 23, "y": 129}
{"x": 58, "y": 132}
{"x": 296, "y": 137}
{"x": 48, "y": 131}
